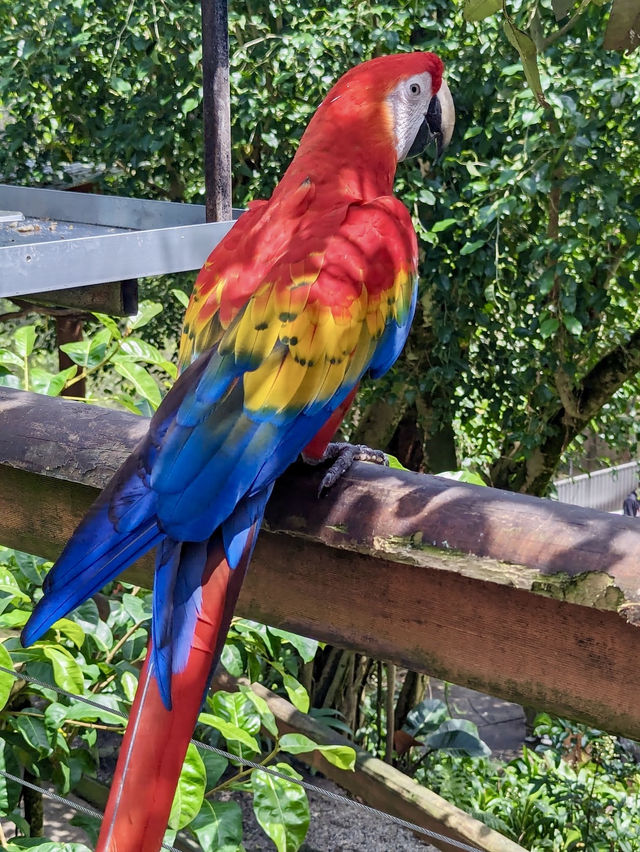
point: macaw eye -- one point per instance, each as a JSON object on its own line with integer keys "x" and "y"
{"x": 415, "y": 89}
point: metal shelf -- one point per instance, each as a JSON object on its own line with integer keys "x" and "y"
{"x": 53, "y": 240}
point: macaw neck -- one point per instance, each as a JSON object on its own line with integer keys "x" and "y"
{"x": 347, "y": 156}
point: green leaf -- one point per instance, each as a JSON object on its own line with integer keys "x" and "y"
{"x": 10, "y": 359}
{"x": 190, "y": 790}
{"x": 267, "y": 718}
{"x": 129, "y": 685}
{"x": 549, "y": 327}
{"x": 344, "y": 757}
{"x": 231, "y": 659}
{"x": 218, "y": 826}
{"x": 526, "y": 47}
{"x": 132, "y": 348}
{"x": 141, "y": 380}
{"x": 24, "y": 339}
{"x": 189, "y": 104}
{"x": 66, "y": 671}
{"x": 458, "y": 736}
{"x": 70, "y": 629}
{"x": 146, "y": 312}
{"x": 42, "y": 381}
{"x": 215, "y": 766}
{"x": 10, "y": 791}
{"x": 443, "y": 224}
{"x": 469, "y": 248}
{"x": 298, "y": 695}
{"x": 478, "y": 10}
{"x": 572, "y": 324}
{"x": 9, "y": 584}
{"x": 34, "y": 732}
{"x": 231, "y": 733}
{"x": 6, "y": 680}
{"x": 304, "y": 646}
{"x": 181, "y": 296}
{"x": 425, "y": 716}
{"x": 90, "y": 352}
{"x": 463, "y": 476}
{"x": 394, "y": 463}
{"x": 281, "y": 807}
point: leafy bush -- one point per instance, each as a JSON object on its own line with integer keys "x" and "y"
{"x": 56, "y": 738}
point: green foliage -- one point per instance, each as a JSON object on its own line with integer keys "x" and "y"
{"x": 146, "y": 370}
{"x": 578, "y": 790}
{"x": 97, "y": 655}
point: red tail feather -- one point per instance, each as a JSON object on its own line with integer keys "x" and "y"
{"x": 156, "y": 739}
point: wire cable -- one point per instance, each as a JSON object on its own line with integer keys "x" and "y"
{"x": 320, "y": 791}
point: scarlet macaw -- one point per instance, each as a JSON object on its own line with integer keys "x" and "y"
{"x": 307, "y": 293}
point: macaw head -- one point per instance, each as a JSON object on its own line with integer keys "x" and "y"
{"x": 398, "y": 103}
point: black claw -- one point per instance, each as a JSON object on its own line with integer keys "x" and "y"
{"x": 344, "y": 455}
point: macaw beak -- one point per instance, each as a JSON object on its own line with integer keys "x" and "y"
{"x": 441, "y": 117}
{"x": 438, "y": 123}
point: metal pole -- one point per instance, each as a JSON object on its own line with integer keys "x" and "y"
{"x": 217, "y": 113}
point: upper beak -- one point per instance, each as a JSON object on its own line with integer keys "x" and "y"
{"x": 441, "y": 117}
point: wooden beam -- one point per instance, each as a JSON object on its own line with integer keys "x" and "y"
{"x": 523, "y": 598}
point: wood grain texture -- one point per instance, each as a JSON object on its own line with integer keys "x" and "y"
{"x": 519, "y": 597}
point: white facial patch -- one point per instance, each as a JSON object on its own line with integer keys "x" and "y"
{"x": 409, "y": 102}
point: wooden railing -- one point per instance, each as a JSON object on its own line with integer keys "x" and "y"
{"x": 527, "y": 599}
{"x": 531, "y": 600}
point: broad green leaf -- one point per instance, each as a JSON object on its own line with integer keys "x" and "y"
{"x": 478, "y": 10}
{"x": 394, "y": 463}
{"x": 298, "y": 695}
{"x": 549, "y": 327}
{"x": 110, "y": 324}
{"x": 281, "y": 807}
{"x": 526, "y": 47}
{"x": 129, "y": 685}
{"x": 215, "y": 766}
{"x": 443, "y": 224}
{"x": 469, "y": 248}
{"x": 146, "y": 312}
{"x": 66, "y": 671}
{"x": 218, "y": 826}
{"x": 344, "y": 757}
{"x": 70, "y": 629}
{"x": 561, "y": 8}
{"x": 139, "y": 350}
{"x": 458, "y": 735}
{"x": 141, "y": 380}
{"x": 237, "y": 709}
{"x": 181, "y": 296}
{"x": 572, "y": 324}
{"x": 79, "y": 711}
{"x": 231, "y": 659}
{"x": 190, "y": 791}
{"x": 231, "y": 733}
{"x": 42, "y": 381}
{"x": 9, "y": 584}
{"x": 6, "y": 680}
{"x": 267, "y": 718}
{"x": 304, "y": 646}
{"x": 34, "y": 732}
{"x": 10, "y": 791}
{"x": 425, "y": 716}
{"x": 10, "y": 359}
{"x": 89, "y": 352}
{"x": 24, "y": 339}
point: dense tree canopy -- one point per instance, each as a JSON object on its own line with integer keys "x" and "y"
{"x": 528, "y": 328}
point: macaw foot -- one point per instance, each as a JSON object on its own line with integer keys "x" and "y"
{"x": 343, "y": 456}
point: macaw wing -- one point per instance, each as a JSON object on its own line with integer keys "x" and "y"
{"x": 326, "y": 312}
